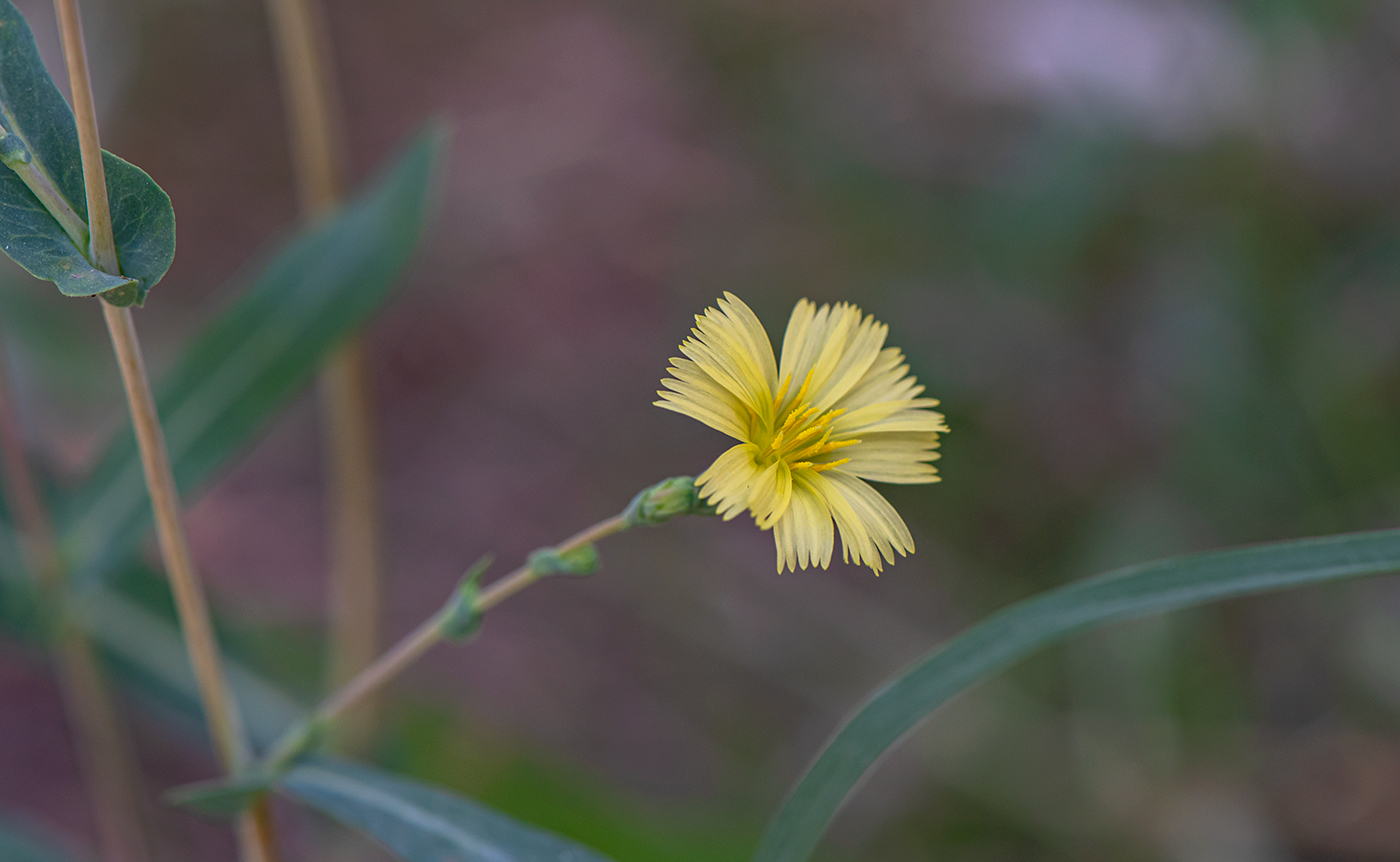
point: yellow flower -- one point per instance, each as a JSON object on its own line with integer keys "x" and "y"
{"x": 839, "y": 408}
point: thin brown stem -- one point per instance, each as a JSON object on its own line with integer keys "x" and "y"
{"x": 103, "y": 248}
{"x": 256, "y": 841}
{"x": 102, "y": 745}
{"x": 352, "y": 504}
{"x": 225, "y": 724}
{"x": 315, "y": 130}
{"x": 104, "y": 750}
{"x": 257, "y": 833}
{"x": 347, "y": 402}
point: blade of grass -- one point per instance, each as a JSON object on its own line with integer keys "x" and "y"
{"x": 1025, "y": 627}
{"x": 421, "y": 823}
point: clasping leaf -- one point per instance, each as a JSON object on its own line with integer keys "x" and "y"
{"x": 43, "y": 206}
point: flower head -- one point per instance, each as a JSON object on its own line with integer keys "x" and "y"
{"x": 836, "y": 409}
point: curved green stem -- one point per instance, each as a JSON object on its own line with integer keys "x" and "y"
{"x": 653, "y": 505}
{"x": 429, "y": 632}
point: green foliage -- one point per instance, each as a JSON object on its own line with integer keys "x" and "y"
{"x": 664, "y": 501}
{"x": 222, "y": 797}
{"x": 19, "y": 607}
{"x": 576, "y": 562}
{"x": 460, "y": 618}
{"x": 143, "y": 228}
{"x": 144, "y": 648}
{"x": 18, "y": 844}
{"x": 1016, "y": 632}
{"x": 436, "y": 743}
{"x": 1250, "y": 398}
{"x": 252, "y": 359}
{"x": 42, "y": 154}
{"x": 421, "y": 823}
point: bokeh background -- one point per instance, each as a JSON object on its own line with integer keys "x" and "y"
{"x": 1145, "y": 252}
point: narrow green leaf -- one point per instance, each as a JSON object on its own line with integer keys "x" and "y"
{"x": 20, "y": 612}
{"x": 1025, "y": 627}
{"x": 43, "y": 207}
{"x": 424, "y": 824}
{"x": 221, "y": 797}
{"x": 22, "y": 844}
{"x": 147, "y": 653}
{"x": 254, "y": 358}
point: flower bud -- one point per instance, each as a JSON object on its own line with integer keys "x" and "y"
{"x": 664, "y": 501}
{"x": 578, "y": 562}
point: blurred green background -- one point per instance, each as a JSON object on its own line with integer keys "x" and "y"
{"x": 1145, "y": 252}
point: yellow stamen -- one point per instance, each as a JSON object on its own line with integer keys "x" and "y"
{"x": 802, "y": 393}
{"x": 824, "y": 447}
{"x": 795, "y": 418}
{"x": 818, "y": 468}
{"x": 777, "y": 441}
{"x": 805, "y": 433}
{"x": 816, "y": 448}
{"x": 782, "y": 390}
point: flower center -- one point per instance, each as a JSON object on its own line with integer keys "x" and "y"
{"x": 801, "y": 433}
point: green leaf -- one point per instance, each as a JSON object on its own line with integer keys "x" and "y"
{"x": 42, "y": 145}
{"x": 147, "y": 653}
{"x": 20, "y": 610}
{"x": 21, "y": 844}
{"x": 222, "y": 797}
{"x": 420, "y": 823}
{"x": 1019, "y": 630}
{"x": 143, "y": 225}
{"x": 256, "y": 356}
{"x": 460, "y": 618}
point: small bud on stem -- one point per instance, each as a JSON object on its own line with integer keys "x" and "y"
{"x": 664, "y": 501}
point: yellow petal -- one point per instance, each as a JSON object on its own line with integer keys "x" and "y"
{"x": 770, "y": 494}
{"x": 909, "y": 415}
{"x": 797, "y": 343}
{"x": 885, "y": 529}
{"x": 838, "y": 345}
{"x": 804, "y": 535}
{"x": 887, "y": 379}
{"x": 855, "y": 357}
{"x": 810, "y": 333}
{"x": 830, "y": 343}
{"x": 721, "y": 364}
{"x": 697, "y": 394}
{"x": 896, "y": 457}
{"x": 727, "y": 481}
{"x": 729, "y": 345}
{"x": 855, "y": 540}
{"x": 752, "y": 335}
